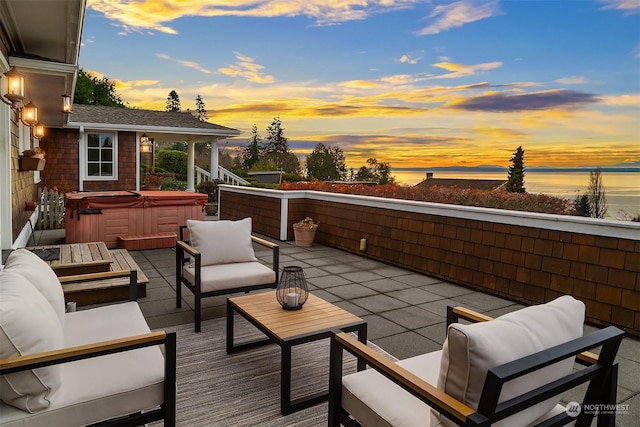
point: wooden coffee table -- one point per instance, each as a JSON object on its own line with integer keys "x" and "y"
{"x": 79, "y": 258}
{"x": 315, "y": 321}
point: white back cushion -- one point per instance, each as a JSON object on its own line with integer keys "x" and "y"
{"x": 38, "y": 272}
{"x": 471, "y": 350}
{"x": 222, "y": 242}
{"x": 28, "y": 325}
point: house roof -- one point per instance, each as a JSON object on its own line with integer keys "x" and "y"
{"x": 157, "y": 124}
{"x": 472, "y": 184}
{"x": 43, "y": 42}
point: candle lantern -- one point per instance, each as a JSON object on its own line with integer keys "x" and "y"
{"x": 292, "y": 291}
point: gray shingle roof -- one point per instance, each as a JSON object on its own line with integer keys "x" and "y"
{"x": 98, "y": 114}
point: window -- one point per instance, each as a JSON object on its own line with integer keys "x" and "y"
{"x": 101, "y": 156}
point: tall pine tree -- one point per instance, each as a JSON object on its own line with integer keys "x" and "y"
{"x": 173, "y": 102}
{"x": 253, "y": 150}
{"x": 516, "y": 172}
{"x": 201, "y": 111}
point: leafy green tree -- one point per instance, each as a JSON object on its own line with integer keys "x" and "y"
{"x": 516, "y": 172}
{"x": 253, "y": 150}
{"x": 201, "y": 111}
{"x": 377, "y": 172}
{"x": 93, "y": 91}
{"x": 326, "y": 163}
{"x": 596, "y": 194}
{"x": 581, "y": 205}
{"x": 173, "y": 102}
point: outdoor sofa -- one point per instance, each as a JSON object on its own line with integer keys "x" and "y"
{"x": 101, "y": 365}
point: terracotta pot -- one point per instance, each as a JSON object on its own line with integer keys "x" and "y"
{"x": 30, "y": 206}
{"x": 304, "y": 236}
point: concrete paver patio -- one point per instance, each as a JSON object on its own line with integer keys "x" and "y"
{"x": 405, "y": 311}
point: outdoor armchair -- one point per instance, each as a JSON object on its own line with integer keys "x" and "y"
{"x": 512, "y": 370}
{"x": 219, "y": 259}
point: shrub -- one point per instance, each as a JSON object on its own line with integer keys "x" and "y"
{"x": 172, "y": 161}
{"x": 498, "y": 199}
{"x": 174, "y": 184}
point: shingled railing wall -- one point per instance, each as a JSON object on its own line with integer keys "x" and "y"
{"x": 526, "y": 257}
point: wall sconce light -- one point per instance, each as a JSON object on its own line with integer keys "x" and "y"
{"x": 39, "y": 131}
{"x": 15, "y": 87}
{"x": 66, "y": 104}
{"x": 29, "y": 114}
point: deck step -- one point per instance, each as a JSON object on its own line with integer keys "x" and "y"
{"x": 138, "y": 242}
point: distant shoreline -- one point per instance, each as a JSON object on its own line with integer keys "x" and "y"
{"x": 528, "y": 169}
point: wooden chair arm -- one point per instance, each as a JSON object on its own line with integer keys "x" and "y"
{"x": 428, "y": 393}
{"x": 264, "y": 242}
{"x": 187, "y": 248}
{"x": 94, "y": 276}
{"x": 63, "y": 355}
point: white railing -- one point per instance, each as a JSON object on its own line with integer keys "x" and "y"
{"x": 224, "y": 175}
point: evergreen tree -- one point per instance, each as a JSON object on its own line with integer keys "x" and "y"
{"x": 276, "y": 148}
{"x": 253, "y": 150}
{"x": 93, "y": 91}
{"x": 516, "y": 172}
{"x": 201, "y": 111}
{"x": 326, "y": 163}
{"x": 595, "y": 192}
{"x": 275, "y": 141}
{"x": 173, "y": 102}
{"x": 581, "y": 205}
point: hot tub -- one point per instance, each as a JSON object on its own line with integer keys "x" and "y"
{"x": 105, "y": 215}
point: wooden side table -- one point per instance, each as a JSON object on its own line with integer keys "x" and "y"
{"x": 315, "y": 321}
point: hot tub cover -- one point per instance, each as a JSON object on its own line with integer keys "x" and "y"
{"x": 132, "y": 199}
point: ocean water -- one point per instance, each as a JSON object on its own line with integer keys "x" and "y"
{"x": 622, "y": 189}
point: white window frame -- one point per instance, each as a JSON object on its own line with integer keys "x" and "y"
{"x": 114, "y": 158}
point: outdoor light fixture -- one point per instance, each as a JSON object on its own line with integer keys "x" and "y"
{"x": 15, "y": 87}
{"x": 39, "y": 131}
{"x": 29, "y": 114}
{"x": 146, "y": 145}
{"x": 66, "y": 104}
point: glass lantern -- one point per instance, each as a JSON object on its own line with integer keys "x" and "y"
{"x": 292, "y": 291}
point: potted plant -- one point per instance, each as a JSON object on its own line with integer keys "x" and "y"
{"x": 304, "y": 231}
{"x": 32, "y": 159}
{"x": 210, "y": 188}
{"x": 153, "y": 181}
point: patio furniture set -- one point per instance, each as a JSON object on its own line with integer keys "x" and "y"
{"x": 512, "y": 370}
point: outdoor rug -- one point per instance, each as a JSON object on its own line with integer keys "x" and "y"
{"x": 243, "y": 388}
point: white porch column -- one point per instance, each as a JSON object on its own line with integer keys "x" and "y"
{"x": 214, "y": 159}
{"x": 191, "y": 165}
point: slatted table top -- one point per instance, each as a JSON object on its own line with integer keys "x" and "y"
{"x": 79, "y": 258}
{"x": 315, "y": 316}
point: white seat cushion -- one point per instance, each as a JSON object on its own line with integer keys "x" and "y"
{"x": 104, "y": 387}
{"x": 230, "y": 276}
{"x": 374, "y": 400}
{"x": 28, "y": 325}
{"x": 38, "y": 272}
{"x": 471, "y": 350}
{"x": 222, "y": 242}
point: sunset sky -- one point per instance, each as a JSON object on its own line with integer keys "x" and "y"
{"x": 415, "y": 83}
